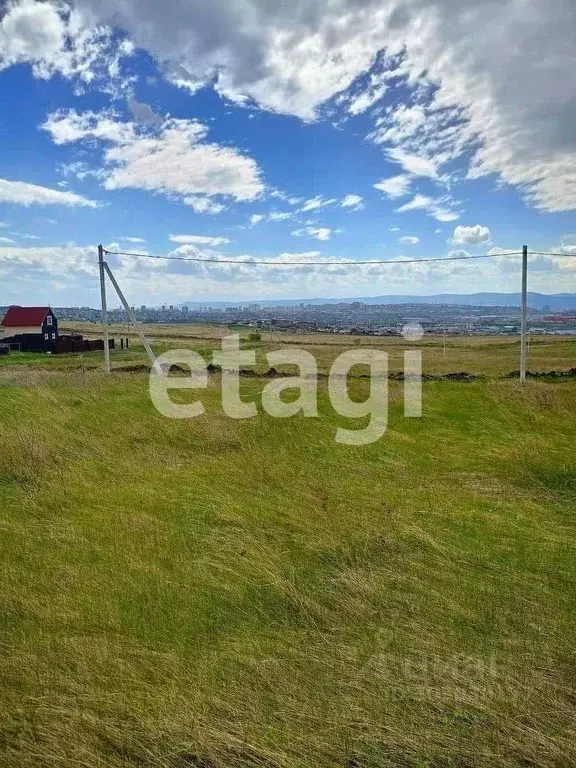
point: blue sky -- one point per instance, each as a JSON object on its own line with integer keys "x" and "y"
{"x": 252, "y": 130}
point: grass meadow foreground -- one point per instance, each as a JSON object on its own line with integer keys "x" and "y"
{"x": 222, "y": 594}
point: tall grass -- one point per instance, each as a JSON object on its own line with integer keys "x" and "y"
{"x": 220, "y": 594}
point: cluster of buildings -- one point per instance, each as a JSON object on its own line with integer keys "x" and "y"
{"x": 345, "y": 318}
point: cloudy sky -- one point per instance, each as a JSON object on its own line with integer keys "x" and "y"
{"x": 287, "y": 131}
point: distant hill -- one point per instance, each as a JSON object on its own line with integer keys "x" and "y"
{"x": 553, "y": 302}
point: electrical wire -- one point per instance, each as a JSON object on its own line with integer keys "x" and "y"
{"x": 551, "y": 253}
{"x": 310, "y": 263}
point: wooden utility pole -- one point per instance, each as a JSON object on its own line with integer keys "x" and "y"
{"x": 523, "y": 323}
{"x": 143, "y": 340}
{"x": 104, "y": 308}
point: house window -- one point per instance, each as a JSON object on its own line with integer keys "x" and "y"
{"x": 49, "y": 320}
{"x": 45, "y": 337}
{"x": 53, "y": 336}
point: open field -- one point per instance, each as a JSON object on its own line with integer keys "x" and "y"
{"x": 229, "y": 594}
{"x": 489, "y": 356}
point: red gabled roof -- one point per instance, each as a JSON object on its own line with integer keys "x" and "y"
{"x": 23, "y": 316}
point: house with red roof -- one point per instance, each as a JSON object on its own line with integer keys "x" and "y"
{"x": 35, "y": 328}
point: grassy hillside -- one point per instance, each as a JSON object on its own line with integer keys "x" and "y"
{"x": 215, "y": 593}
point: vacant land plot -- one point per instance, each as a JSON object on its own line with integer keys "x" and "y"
{"x": 220, "y": 594}
{"x": 480, "y": 355}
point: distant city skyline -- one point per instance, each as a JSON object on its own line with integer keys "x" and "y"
{"x": 536, "y": 301}
{"x": 297, "y": 132}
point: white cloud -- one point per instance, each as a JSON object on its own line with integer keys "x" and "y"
{"x": 54, "y": 39}
{"x": 435, "y": 207}
{"x": 424, "y": 137}
{"x": 470, "y": 235}
{"x": 568, "y": 250}
{"x": 441, "y": 214}
{"x": 69, "y": 126}
{"x": 172, "y": 158}
{"x": 354, "y": 202}
{"x": 305, "y": 256}
{"x": 136, "y": 240}
{"x": 143, "y": 113}
{"x": 395, "y": 186}
{"x": 517, "y": 120}
{"x": 399, "y": 124}
{"x": 408, "y": 240}
{"x": 80, "y": 170}
{"x": 176, "y": 162}
{"x": 22, "y": 193}
{"x": 414, "y": 164}
{"x": 32, "y": 32}
{"x": 256, "y": 218}
{"x": 60, "y": 261}
{"x": 6, "y": 240}
{"x": 317, "y": 202}
{"x": 318, "y": 233}
{"x": 199, "y": 240}
{"x": 366, "y": 99}
{"x": 290, "y": 199}
{"x": 155, "y": 281}
{"x": 204, "y": 205}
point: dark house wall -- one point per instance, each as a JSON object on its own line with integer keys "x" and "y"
{"x": 50, "y": 329}
{"x": 30, "y": 342}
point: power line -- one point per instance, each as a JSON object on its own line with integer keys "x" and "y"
{"x": 551, "y": 253}
{"x": 310, "y": 263}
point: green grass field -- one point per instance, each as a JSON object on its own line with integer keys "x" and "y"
{"x": 223, "y": 594}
